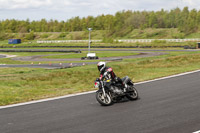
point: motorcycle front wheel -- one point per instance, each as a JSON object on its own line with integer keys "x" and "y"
{"x": 133, "y": 94}
{"x": 103, "y": 100}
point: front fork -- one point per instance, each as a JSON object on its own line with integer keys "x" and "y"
{"x": 104, "y": 93}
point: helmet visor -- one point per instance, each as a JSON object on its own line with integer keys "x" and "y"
{"x": 99, "y": 67}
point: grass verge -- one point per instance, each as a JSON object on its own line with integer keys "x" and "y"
{"x": 56, "y": 55}
{"x": 98, "y": 53}
{"x": 26, "y": 84}
{"x": 153, "y": 44}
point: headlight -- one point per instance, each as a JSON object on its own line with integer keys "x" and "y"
{"x": 96, "y": 84}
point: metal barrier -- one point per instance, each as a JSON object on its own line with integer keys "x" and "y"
{"x": 67, "y": 41}
{"x": 151, "y": 40}
{"x": 123, "y": 40}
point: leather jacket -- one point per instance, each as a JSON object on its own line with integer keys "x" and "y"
{"x": 107, "y": 74}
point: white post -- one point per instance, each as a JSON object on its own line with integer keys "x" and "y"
{"x": 90, "y": 29}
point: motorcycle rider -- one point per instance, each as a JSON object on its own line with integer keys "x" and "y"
{"x": 108, "y": 74}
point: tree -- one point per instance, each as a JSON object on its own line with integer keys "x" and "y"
{"x": 120, "y": 24}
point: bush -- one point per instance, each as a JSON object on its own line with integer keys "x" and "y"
{"x": 62, "y": 35}
{"x": 178, "y": 36}
{"x": 2, "y": 36}
{"x": 77, "y": 36}
{"x": 107, "y": 40}
{"x": 30, "y": 36}
{"x": 44, "y": 35}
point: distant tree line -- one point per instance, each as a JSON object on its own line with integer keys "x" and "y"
{"x": 185, "y": 20}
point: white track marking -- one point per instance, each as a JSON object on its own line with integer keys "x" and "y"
{"x": 78, "y": 94}
{"x": 8, "y": 56}
{"x": 197, "y": 131}
{"x": 44, "y": 100}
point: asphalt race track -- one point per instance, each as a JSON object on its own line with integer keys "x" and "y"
{"x": 38, "y": 57}
{"x": 2, "y": 56}
{"x": 49, "y": 66}
{"x": 143, "y": 53}
{"x": 66, "y": 65}
{"x": 165, "y": 106}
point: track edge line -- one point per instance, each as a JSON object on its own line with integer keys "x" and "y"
{"x": 89, "y": 92}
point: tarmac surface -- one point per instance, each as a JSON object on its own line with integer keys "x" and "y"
{"x": 2, "y": 56}
{"x": 142, "y": 53}
{"x": 49, "y": 66}
{"x": 39, "y": 57}
{"x": 165, "y": 106}
{"x": 67, "y": 65}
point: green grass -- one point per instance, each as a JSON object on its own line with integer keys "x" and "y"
{"x": 151, "y": 33}
{"x": 27, "y": 84}
{"x": 154, "y": 44}
{"x": 10, "y": 61}
{"x": 19, "y": 54}
{"x": 56, "y": 55}
{"x": 194, "y": 35}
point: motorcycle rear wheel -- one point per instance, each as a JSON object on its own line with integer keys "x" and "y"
{"x": 103, "y": 100}
{"x": 133, "y": 94}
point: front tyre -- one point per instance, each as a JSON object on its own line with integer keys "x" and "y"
{"x": 103, "y": 100}
{"x": 133, "y": 94}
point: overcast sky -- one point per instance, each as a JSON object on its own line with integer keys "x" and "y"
{"x": 66, "y": 9}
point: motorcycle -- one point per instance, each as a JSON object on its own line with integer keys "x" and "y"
{"x": 110, "y": 92}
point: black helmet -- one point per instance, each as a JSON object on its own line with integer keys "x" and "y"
{"x": 101, "y": 66}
